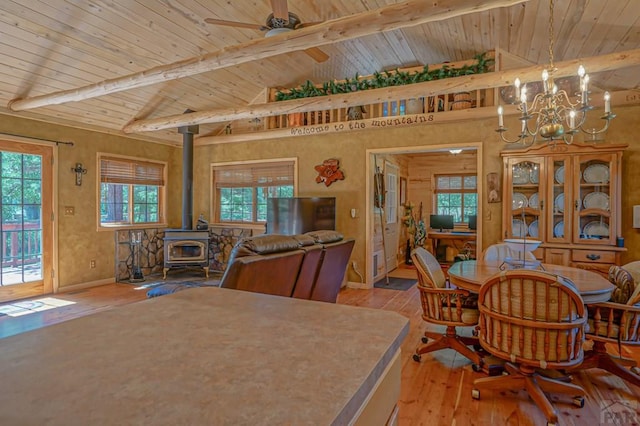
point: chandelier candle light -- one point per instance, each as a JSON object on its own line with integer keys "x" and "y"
{"x": 553, "y": 108}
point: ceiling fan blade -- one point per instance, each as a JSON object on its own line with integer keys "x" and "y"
{"x": 236, "y": 24}
{"x": 280, "y": 9}
{"x": 308, "y": 24}
{"x": 317, "y": 54}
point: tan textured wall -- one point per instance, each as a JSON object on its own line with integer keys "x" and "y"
{"x": 350, "y": 149}
{"x": 78, "y": 238}
{"x": 79, "y": 241}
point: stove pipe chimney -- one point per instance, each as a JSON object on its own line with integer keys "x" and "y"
{"x": 187, "y": 172}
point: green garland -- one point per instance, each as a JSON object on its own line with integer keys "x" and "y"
{"x": 385, "y": 79}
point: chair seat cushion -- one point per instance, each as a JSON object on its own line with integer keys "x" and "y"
{"x": 469, "y": 306}
{"x": 467, "y": 302}
{"x": 603, "y": 329}
{"x": 625, "y": 289}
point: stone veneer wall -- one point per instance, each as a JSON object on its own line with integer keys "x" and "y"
{"x": 221, "y": 242}
{"x": 151, "y": 253}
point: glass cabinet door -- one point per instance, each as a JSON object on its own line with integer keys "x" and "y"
{"x": 559, "y": 199}
{"x": 594, "y": 198}
{"x": 525, "y": 197}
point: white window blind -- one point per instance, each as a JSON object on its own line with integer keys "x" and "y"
{"x": 131, "y": 171}
{"x": 257, "y": 174}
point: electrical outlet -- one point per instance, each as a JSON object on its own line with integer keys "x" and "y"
{"x": 92, "y": 263}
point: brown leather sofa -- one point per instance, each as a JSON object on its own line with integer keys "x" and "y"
{"x": 308, "y": 266}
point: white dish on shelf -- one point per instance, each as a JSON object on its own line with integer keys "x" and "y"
{"x": 595, "y": 228}
{"x": 558, "y": 230}
{"x": 521, "y": 244}
{"x": 519, "y": 200}
{"x": 520, "y": 175}
{"x": 534, "y": 175}
{"x": 519, "y": 228}
{"x": 533, "y": 229}
{"x": 596, "y": 200}
{"x": 559, "y": 174}
{"x": 534, "y": 203}
{"x": 559, "y": 202}
{"x": 596, "y": 173}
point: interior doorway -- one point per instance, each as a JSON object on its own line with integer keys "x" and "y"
{"x": 376, "y": 227}
{"x": 26, "y": 232}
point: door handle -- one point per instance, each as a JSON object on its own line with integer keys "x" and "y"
{"x": 593, "y": 256}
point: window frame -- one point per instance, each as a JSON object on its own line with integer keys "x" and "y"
{"x": 462, "y": 191}
{"x": 162, "y": 194}
{"x": 215, "y": 201}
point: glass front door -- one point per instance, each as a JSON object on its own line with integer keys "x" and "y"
{"x": 25, "y": 215}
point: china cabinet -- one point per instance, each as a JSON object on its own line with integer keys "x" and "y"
{"x": 568, "y": 197}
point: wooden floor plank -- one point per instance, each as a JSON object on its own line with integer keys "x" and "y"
{"x": 435, "y": 391}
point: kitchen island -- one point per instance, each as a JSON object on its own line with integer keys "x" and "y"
{"x": 207, "y": 356}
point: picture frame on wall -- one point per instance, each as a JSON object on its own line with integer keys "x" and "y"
{"x": 494, "y": 194}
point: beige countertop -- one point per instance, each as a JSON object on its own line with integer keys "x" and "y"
{"x": 200, "y": 356}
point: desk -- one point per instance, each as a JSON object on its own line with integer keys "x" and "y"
{"x": 593, "y": 287}
{"x": 455, "y": 236}
{"x": 207, "y": 356}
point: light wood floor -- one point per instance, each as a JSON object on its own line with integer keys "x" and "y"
{"x": 436, "y": 391}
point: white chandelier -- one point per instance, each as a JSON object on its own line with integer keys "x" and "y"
{"x": 553, "y": 108}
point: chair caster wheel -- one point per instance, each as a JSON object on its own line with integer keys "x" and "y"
{"x": 635, "y": 370}
{"x": 475, "y": 332}
{"x": 475, "y": 394}
{"x": 416, "y": 357}
{"x": 478, "y": 347}
{"x": 425, "y": 340}
{"x": 578, "y": 401}
{"x": 475, "y": 367}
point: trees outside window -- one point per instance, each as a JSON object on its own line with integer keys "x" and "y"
{"x": 457, "y": 195}
{"x": 131, "y": 191}
{"x": 242, "y": 190}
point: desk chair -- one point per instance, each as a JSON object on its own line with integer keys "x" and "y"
{"x": 446, "y": 306}
{"x": 615, "y": 322}
{"x": 533, "y": 320}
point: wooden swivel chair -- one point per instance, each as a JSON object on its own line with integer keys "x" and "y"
{"x": 444, "y": 306}
{"x": 533, "y": 320}
{"x": 615, "y": 322}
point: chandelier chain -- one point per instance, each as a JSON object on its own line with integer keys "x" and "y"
{"x": 551, "y": 35}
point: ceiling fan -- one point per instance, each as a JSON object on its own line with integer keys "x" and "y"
{"x": 279, "y": 21}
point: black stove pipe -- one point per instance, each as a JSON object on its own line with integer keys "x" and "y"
{"x": 187, "y": 173}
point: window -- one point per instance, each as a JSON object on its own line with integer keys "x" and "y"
{"x": 131, "y": 191}
{"x": 456, "y": 195}
{"x": 242, "y": 190}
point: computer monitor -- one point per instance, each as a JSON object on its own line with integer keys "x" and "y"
{"x": 441, "y": 221}
{"x": 473, "y": 221}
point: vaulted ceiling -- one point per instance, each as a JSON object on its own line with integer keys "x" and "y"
{"x": 50, "y": 46}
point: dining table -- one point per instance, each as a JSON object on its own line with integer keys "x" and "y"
{"x": 471, "y": 274}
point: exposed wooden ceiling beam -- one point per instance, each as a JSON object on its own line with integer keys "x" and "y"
{"x": 594, "y": 64}
{"x": 407, "y": 14}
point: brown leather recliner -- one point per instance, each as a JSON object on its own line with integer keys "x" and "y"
{"x": 267, "y": 264}
{"x": 308, "y": 266}
{"x": 335, "y": 258}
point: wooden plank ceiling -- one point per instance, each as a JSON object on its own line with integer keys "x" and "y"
{"x": 48, "y": 46}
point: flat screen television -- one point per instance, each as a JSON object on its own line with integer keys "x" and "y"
{"x": 473, "y": 222}
{"x": 441, "y": 221}
{"x": 297, "y": 215}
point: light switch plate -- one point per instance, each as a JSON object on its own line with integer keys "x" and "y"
{"x": 69, "y": 210}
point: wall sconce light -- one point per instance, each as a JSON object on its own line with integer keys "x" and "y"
{"x": 455, "y": 151}
{"x": 79, "y": 171}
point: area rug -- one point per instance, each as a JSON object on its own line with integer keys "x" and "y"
{"x": 167, "y": 288}
{"x": 395, "y": 283}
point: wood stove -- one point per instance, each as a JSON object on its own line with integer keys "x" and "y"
{"x": 183, "y": 248}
